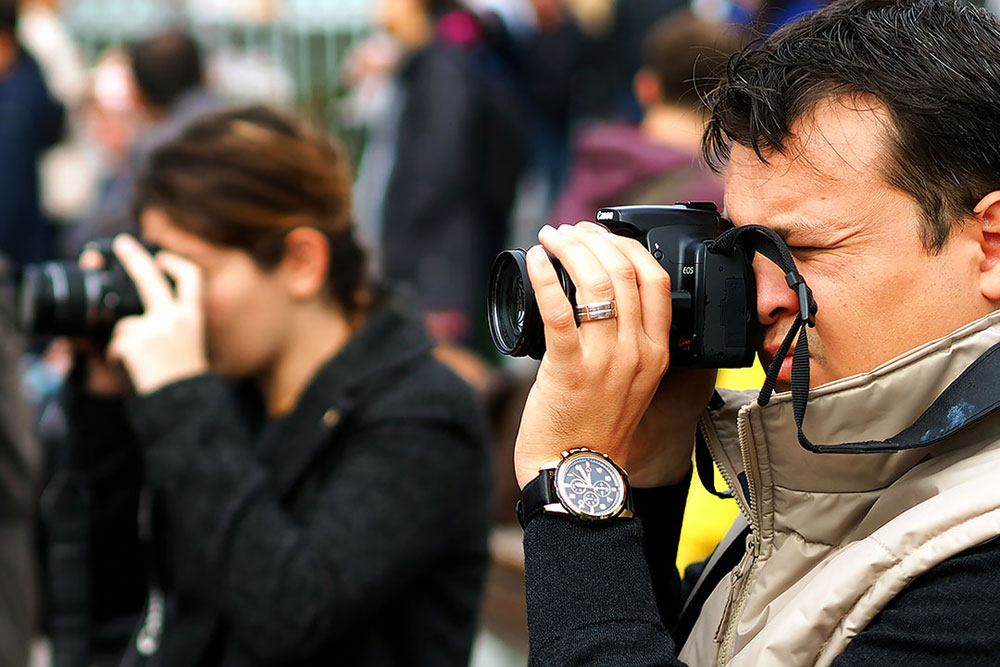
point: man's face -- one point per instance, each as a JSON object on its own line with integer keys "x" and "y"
{"x": 855, "y": 239}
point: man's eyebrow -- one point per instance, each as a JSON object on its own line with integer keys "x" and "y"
{"x": 786, "y": 227}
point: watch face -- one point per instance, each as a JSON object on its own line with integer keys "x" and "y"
{"x": 588, "y": 485}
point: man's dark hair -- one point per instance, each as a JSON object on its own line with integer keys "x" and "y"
{"x": 934, "y": 64}
{"x": 166, "y": 66}
{"x": 688, "y": 53}
{"x": 9, "y": 10}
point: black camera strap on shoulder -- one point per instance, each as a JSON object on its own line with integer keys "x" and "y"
{"x": 974, "y": 395}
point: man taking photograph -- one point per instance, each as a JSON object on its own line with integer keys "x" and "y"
{"x": 866, "y": 136}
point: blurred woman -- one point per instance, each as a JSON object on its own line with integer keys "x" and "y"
{"x": 333, "y": 508}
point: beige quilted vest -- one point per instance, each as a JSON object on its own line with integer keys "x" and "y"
{"x": 837, "y": 536}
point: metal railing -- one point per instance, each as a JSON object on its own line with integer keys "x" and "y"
{"x": 298, "y": 44}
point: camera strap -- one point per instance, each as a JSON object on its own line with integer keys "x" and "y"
{"x": 753, "y": 239}
{"x": 974, "y": 395}
{"x": 759, "y": 239}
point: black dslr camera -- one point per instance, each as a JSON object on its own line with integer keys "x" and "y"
{"x": 61, "y": 299}
{"x": 714, "y": 293}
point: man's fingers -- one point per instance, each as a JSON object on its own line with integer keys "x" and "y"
{"x": 154, "y": 291}
{"x": 654, "y": 289}
{"x": 591, "y": 279}
{"x": 593, "y": 284}
{"x": 622, "y": 273}
{"x": 561, "y": 340}
{"x": 186, "y": 275}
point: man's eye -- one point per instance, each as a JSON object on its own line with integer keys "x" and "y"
{"x": 802, "y": 249}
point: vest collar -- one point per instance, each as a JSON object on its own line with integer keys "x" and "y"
{"x": 869, "y": 406}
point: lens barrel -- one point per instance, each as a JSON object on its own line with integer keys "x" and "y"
{"x": 515, "y": 323}
{"x": 61, "y": 299}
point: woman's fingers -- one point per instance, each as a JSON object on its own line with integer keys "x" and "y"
{"x": 154, "y": 291}
{"x": 186, "y": 276}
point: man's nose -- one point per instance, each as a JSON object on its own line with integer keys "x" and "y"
{"x": 774, "y": 299}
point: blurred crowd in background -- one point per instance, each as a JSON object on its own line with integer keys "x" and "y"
{"x": 470, "y": 124}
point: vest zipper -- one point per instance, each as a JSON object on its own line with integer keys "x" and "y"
{"x": 739, "y": 586}
{"x": 739, "y": 591}
{"x": 743, "y": 433}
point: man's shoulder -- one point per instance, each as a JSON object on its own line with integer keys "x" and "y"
{"x": 951, "y": 610}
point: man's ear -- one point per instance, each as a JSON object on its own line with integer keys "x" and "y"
{"x": 988, "y": 214}
{"x": 305, "y": 263}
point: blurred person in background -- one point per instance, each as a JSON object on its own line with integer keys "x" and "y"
{"x": 759, "y": 17}
{"x": 32, "y": 121}
{"x": 112, "y": 121}
{"x": 43, "y": 31}
{"x": 558, "y": 71}
{"x": 441, "y": 217}
{"x": 619, "y": 29}
{"x": 316, "y": 485}
{"x": 656, "y": 161}
{"x": 68, "y": 180}
{"x": 168, "y": 74}
{"x": 19, "y": 464}
{"x": 169, "y": 71}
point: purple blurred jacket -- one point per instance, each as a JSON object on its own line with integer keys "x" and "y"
{"x": 616, "y": 164}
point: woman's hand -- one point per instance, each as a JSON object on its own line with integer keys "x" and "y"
{"x": 167, "y": 342}
{"x": 596, "y": 381}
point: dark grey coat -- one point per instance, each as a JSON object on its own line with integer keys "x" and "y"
{"x": 351, "y": 532}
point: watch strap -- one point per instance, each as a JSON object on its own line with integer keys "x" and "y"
{"x": 535, "y": 495}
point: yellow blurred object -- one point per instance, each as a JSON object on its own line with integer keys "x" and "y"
{"x": 707, "y": 518}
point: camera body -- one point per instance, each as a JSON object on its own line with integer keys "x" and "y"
{"x": 61, "y": 299}
{"x": 713, "y": 294}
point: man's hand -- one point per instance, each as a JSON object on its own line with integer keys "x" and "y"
{"x": 660, "y": 449}
{"x": 167, "y": 342}
{"x": 596, "y": 383}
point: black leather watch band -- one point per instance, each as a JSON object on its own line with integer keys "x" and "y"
{"x": 536, "y": 494}
{"x": 540, "y": 494}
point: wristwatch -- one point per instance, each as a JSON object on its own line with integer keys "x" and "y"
{"x": 584, "y": 485}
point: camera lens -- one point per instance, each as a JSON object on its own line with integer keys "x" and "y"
{"x": 61, "y": 299}
{"x": 515, "y": 323}
{"x": 511, "y": 301}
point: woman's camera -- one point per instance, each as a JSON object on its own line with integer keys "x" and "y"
{"x": 714, "y": 293}
{"x": 62, "y": 299}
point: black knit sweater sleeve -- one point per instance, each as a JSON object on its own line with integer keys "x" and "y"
{"x": 287, "y": 587}
{"x": 590, "y": 598}
{"x": 661, "y": 512}
{"x": 595, "y": 593}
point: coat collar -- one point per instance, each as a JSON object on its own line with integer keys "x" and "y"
{"x": 387, "y": 341}
{"x": 869, "y": 406}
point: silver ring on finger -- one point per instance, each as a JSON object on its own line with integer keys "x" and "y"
{"x": 597, "y": 310}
